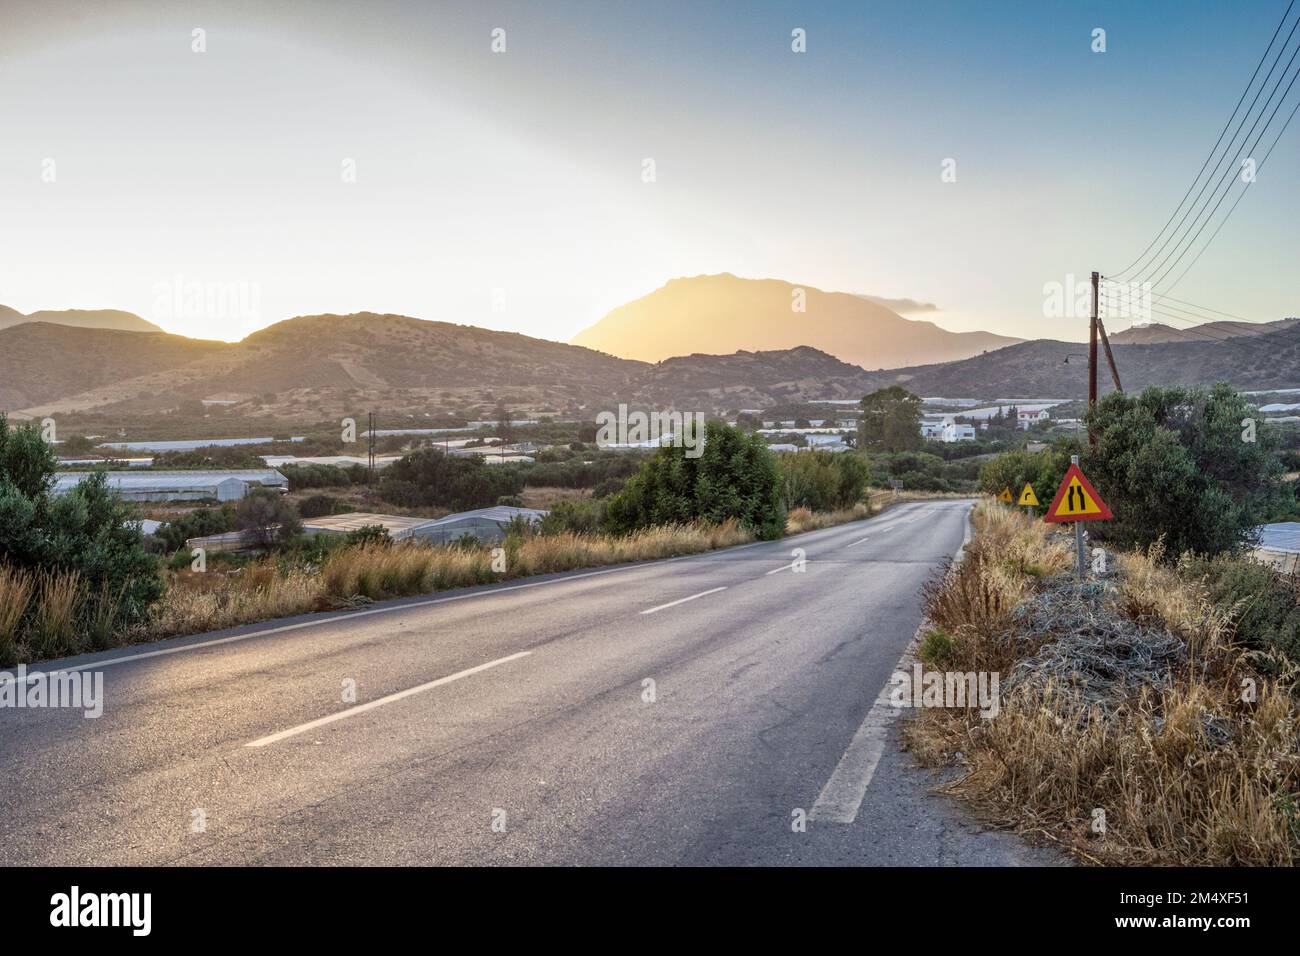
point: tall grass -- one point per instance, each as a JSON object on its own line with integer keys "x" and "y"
{"x": 802, "y": 519}
{"x": 16, "y": 587}
{"x": 1199, "y": 767}
{"x": 54, "y": 630}
{"x": 377, "y": 571}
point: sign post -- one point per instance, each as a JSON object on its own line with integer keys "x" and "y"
{"x": 1028, "y": 498}
{"x": 1077, "y": 501}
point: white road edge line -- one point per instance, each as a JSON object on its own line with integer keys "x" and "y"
{"x": 784, "y": 567}
{"x": 651, "y": 610}
{"x": 362, "y": 708}
{"x": 842, "y": 795}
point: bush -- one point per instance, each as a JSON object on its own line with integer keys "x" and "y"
{"x": 320, "y": 506}
{"x": 1043, "y": 470}
{"x": 821, "y": 481}
{"x": 577, "y": 517}
{"x": 429, "y": 478}
{"x": 1172, "y": 464}
{"x": 88, "y": 537}
{"x": 268, "y": 516}
{"x": 196, "y": 524}
{"x": 323, "y": 476}
{"x": 735, "y": 477}
{"x": 1263, "y": 603}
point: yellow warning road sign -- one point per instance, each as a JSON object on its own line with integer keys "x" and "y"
{"x": 1005, "y": 495}
{"x": 1027, "y": 496}
{"x": 1077, "y": 500}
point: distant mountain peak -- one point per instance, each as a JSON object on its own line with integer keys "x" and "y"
{"x": 721, "y": 314}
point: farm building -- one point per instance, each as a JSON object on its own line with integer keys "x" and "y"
{"x": 179, "y": 485}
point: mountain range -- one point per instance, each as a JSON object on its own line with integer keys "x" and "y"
{"x": 321, "y": 367}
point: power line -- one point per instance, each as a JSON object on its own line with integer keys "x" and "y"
{"x": 1240, "y": 197}
{"x": 1229, "y": 173}
{"x": 1217, "y": 142}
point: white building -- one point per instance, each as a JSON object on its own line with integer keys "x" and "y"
{"x": 1027, "y": 417}
{"x": 952, "y": 432}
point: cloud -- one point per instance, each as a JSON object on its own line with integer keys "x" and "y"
{"x": 901, "y": 306}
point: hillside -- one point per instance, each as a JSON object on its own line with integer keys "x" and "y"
{"x": 321, "y": 366}
{"x": 1036, "y": 369}
{"x": 723, "y": 314}
{"x": 80, "y": 318}
{"x": 42, "y": 362}
{"x": 751, "y": 379}
{"x": 1156, "y": 332}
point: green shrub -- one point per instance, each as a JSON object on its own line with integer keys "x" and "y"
{"x": 1172, "y": 463}
{"x": 196, "y": 524}
{"x": 936, "y": 647}
{"x": 580, "y": 517}
{"x": 735, "y": 477}
{"x": 318, "y": 506}
{"x": 821, "y": 481}
{"x": 1266, "y": 601}
{"x": 429, "y": 478}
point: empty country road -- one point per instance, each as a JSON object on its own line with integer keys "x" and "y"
{"x": 671, "y": 712}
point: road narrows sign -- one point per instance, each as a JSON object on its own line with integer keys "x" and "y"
{"x": 1077, "y": 500}
{"x": 1027, "y": 496}
{"x": 1005, "y": 495}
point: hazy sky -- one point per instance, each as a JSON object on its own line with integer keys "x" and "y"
{"x": 506, "y": 189}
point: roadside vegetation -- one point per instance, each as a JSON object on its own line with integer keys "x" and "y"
{"x": 106, "y": 584}
{"x": 1147, "y": 717}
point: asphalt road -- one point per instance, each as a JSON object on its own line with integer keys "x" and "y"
{"x": 514, "y": 724}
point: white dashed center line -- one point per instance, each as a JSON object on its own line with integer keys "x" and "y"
{"x": 651, "y": 610}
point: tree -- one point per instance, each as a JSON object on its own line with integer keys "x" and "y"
{"x": 267, "y": 516}
{"x": 734, "y": 477}
{"x": 891, "y": 420}
{"x": 1179, "y": 463}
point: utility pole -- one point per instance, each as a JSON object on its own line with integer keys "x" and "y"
{"x": 1092, "y": 357}
{"x": 370, "y": 469}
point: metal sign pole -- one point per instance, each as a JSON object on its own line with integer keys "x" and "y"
{"x": 1078, "y": 532}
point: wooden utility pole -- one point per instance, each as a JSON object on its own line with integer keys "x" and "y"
{"x": 1092, "y": 357}
{"x": 1110, "y": 356}
{"x": 370, "y": 468}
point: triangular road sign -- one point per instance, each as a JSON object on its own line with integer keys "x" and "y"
{"x": 1077, "y": 500}
{"x": 1027, "y": 496}
{"x": 1005, "y": 495}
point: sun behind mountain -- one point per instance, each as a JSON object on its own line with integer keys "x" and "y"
{"x": 721, "y": 314}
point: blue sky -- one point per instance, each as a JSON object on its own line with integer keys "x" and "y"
{"x": 506, "y": 189}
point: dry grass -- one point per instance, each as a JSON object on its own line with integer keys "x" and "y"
{"x": 54, "y": 625}
{"x": 259, "y": 592}
{"x": 206, "y": 602}
{"x": 16, "y": 588}
{"x": 801, "y": 519}
{"x": 1188, "y": 769}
